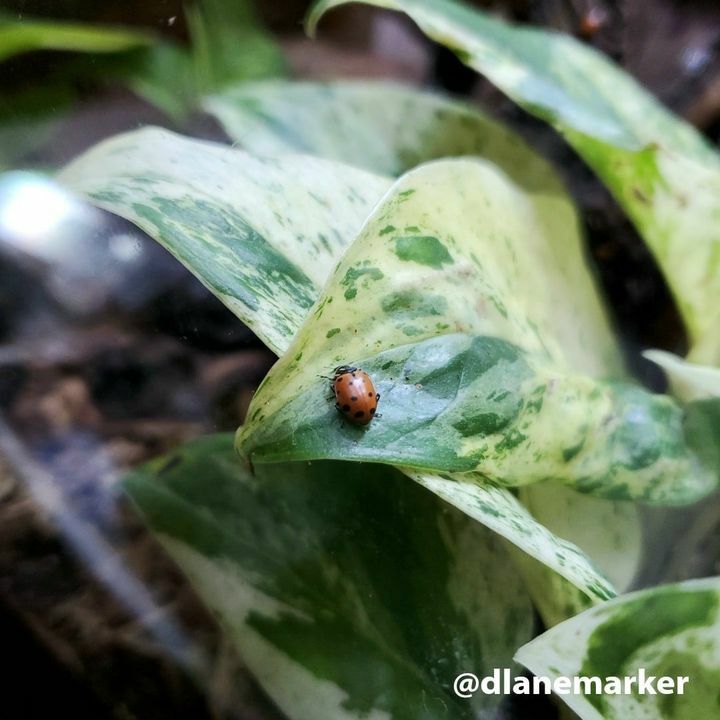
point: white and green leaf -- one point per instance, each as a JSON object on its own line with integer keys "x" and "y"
{"x": 534, "y": 545}
{"x": 261, "y": 233}
{"x": 471, "y": 315}
{"x": 348, "y": 591}
{"x": 191, "y": 168}
{"x": 660, "y": 169}
{"x": 613, "y": 536}
{"x": 610, "y": 534}
{"x": 380, "y": 126}
{"x": 459, "y": 403}
{"x": 671, "y": 630}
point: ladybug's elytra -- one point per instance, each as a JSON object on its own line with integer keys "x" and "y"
{"x": 355, "y": 395}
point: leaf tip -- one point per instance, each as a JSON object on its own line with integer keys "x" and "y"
{"x": 314, "y": 14}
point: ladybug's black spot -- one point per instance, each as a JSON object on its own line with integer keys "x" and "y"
{"x": 338, "y": 380}
{"x": 372, "y": 411}
{"x": 354, "y": 398}
{"x": 359, "y": 414}
{"x": 346, "y": 408}
{"x": 370, "y": 394}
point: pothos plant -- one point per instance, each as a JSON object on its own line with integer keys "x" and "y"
{"x": 359, "y": 570}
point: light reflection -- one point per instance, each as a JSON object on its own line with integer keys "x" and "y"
{"x": 93, "y": 544}
{"x": 695, "y": 59}
{"x": 75, "y": 250}
{"x": 34, "y": 211}
{"x": 125, "y": 247}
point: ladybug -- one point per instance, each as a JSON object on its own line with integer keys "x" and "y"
{"x": 355, "y": 395}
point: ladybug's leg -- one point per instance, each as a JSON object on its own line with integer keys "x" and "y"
{"x": 377, "y": 396}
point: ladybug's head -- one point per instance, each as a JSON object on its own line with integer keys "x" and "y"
{"x": 343, "y": 369}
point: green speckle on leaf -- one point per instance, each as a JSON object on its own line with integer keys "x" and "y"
{"x": 484, "y": 423}
{"x": 510, "y": 441}
{"x": 411, "y": 331}
{"x": 413, "y": 304}
{"x": 422, "y": 249}
{"x": 355, "y": 275}
{"x": 571, "y": 452}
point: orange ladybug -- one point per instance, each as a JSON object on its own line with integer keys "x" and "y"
{"x": 355, "y": 395}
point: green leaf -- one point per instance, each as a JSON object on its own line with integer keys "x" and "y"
{"x": 348, "y": 591}
{"x": 671, "y": 630}
{"x": 26, "y": 34}
{"x": 230, "y": 45}
{"x": 163, "y": 75}
{"x": 663, "y": 173}
{"x": 235, "y": 220}
{"x": 30, "y": 117}
{"x": 555, "y": 597}
{"x": 380, "y": 126}
{"x": 28, "y": 120}
{"x": 453, "y": 248}
{"x": 702, "y": 427}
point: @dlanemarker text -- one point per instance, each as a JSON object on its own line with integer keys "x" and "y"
{"x": 502, "y": 682}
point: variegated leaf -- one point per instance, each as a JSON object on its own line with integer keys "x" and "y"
{"x": 460, "y": 403}
{"x": 348, "y": 591}
{"x": 671, "y": 630}
{"x": 261, "y": 233}
{"x": 103, "y": 170}
{"x": 565, "y": 564}
{"x": 614, "y": 534}
{"x": 454, "y": 248}
{"x": 659, "y": 168}
{"x": 365, "y": 123}
{"x": 556, "y": 598}
{"x": 380, "y": 126}
{"x": 611, "y": 533}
